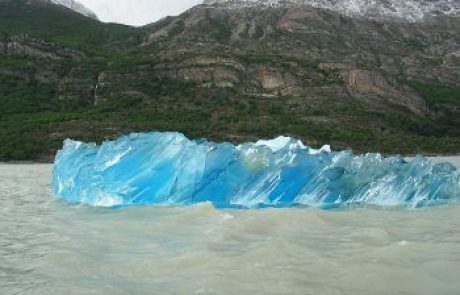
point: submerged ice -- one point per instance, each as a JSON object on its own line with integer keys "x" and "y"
{"x": 169, "y": 169}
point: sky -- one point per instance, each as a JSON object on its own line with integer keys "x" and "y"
{"x": 137, "y": 12}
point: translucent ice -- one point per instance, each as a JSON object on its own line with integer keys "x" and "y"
{"x": 169, "y": 169}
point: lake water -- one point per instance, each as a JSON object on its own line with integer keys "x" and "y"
{"x": 50, "y": 247}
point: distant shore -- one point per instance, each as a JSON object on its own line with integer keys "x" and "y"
{"x": 26, "y": 163}
{"x": 453, "y": 159}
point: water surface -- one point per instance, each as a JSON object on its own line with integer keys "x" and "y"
{"x": 50, "y": 247}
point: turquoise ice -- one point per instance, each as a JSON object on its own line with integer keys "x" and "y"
{"x": 169, "y": 169}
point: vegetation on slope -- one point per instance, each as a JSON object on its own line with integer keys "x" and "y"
{"x": 44, "y": 100}
{"x": 58, "y": 24}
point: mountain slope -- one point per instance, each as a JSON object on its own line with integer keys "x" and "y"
{"x": 337, "y": 72}
{"x": 56, "y": 23}
{"x": 408, "y": 10}
{"x": 77, "y": 7}
{"x": 229, "y": 73}
{"x": 69, "y": 4}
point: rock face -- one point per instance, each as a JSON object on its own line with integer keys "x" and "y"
{"x": 363, "y": 83}
{"x": 287, "y": 49}
{"x": 23, "y": 45}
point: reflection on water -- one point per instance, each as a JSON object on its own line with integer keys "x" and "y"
{"x": 48, "y": 247}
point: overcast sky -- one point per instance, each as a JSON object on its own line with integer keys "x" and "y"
{"x": 137, "y": 12}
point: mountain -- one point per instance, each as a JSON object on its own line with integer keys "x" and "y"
{"x": 408, "y": 10}
{"x": 230, "y": 71}
{"x": 70, "y": 4}
{"x": 76, "y": 6}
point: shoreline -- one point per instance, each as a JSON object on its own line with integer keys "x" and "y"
{"x": 435, "y": 159}
{"x": 26, "y": 163}
{"x": 454, "y": 160}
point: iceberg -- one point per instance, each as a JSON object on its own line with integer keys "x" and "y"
{"x": 167, "y": 169}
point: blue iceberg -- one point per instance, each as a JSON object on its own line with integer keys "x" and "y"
{"x": 169, "y": 169}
